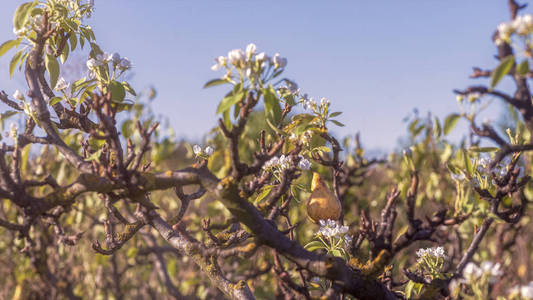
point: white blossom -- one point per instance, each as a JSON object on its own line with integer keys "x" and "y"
{"x": 208, "y": 150}
{"x": 505, "y": 30}
{"x": 92, "y": 63}
{"x": 248, "y": 72}
{"x": 279, "y": 62}
{"x": 438, "y": 252}
{"x": 220, "y": 62}
{"x": 18, "y": 95}
{"x": 522, "y": 24}
{"x": 472, "y": 272}
{"x": 304, "y": 164}
{"x": 332, "y": 228}
{"x": 324, "y": 101}
{"x": 526, "y": 291}
{"x": 309, "y": 103}
{"x": 62, "y": 84}
{"x": 492, "y": 269}
{"x": 421, "y": 252}
{"x": 236, "y": 56}
{"x": 20, "y": 31}
{"x": 284, "y": 162}
{"x": 261, "y": 56}
{"x": 197, "y": 149}
{"x": 251, "y": 49}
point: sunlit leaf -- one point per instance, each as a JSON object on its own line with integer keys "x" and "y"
{"x": 503, "y": 68}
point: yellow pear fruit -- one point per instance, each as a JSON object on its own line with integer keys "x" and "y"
{"x": 322, "y": 204}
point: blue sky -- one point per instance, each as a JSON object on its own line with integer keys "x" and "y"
{"x": 375, "y": 60}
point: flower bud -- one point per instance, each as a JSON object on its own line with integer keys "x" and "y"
{"x": 261, "y": 56}
{"x": 251, "y": 49}
{"x": 18, "y": 95}
{"x": 92, "y": 63}
{"x": 235, "y": 56}
{"x": 115, "y": 58}
{"x": 197, "y": 149}
{"x": 125, "y": 63}
{"x": 61, "y": 84}
{"x": 208, "y": 150}
{"x": 279, "y": 62}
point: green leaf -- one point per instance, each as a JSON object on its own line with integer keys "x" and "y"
{"x": 453, "y": 169}
{"x": 14, "y": 62}
{"x": 337, "y": 123}
{"x": 4, "y": 116}
{"x": 450, "y": 122}
{"x": 72, "y": 25}
{"x": 280, "y": 132}
{"x": 54, "y": 101}
{"x": 272, "y": 106}
{"x": 501, "y": 70}
{"x": 73, "y": 42}
{"x": 64, "y": 55}
{"x": 468, "y": 163}
{"x": 128, "y": 88}
{"x": 227, "y": 121}
{"x": 334, "y": 114}
{"x": 523, "y": 68}
{"x": 409, "y": 289}
{"x": 52, "y": 66}
{"x": 127, "y": 128}
{"x": 215, "y": 82}
{"x": 336, "y": 252}
{"x": 117, "y": 91}
{"x": 132, "y": 252}
{"x": 266, "y": 190}
{"x": 231, "y": 100}
{"x": 314, "y": 245}
{"x": 401, "y": 232}
{"x": 8, "y": 45}
{"x": 22, "y": 13}
{"x": 437, "y": 129}
{"x": 95, "y": 155}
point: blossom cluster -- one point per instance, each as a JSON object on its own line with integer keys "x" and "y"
{"x": 331, "y": 228}
{"x": 310, "y": 103}
{"x": 249, "y": 63}
{"x": 284, "y": 162}
{"x": 521, "y": 25}
{"x": 198, "y": 151}
{"x": 437, "y": 252}
{"x": 120, "y": 63}
{"x": 522, "y": 291}
{"x": 473, "y": 272}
